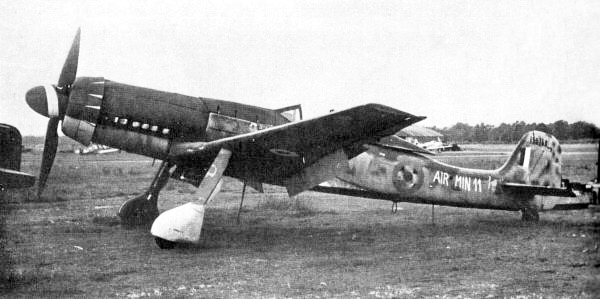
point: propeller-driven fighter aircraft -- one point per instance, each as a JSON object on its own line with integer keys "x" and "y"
{"x": 95, "y": 149}
{"x": 10, "y": 160}
{"x": 200, "y": 139}
{"x": 529, "y": 181}
{"x": 436, "y": 146}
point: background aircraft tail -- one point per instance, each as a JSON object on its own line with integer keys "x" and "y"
{"x": 10, "y": 160}
{"x": 10, "y": 147}
{"x": 536, "y": 161}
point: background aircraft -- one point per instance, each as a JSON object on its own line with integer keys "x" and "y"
{"x": 95, "y": 149}
{"x": 402, "y": 175}
{"x": 439, "y": 146}
{"x": 10, "y": 160}
{"x": 426, "y": 138}
{"x": 201, "y": 139}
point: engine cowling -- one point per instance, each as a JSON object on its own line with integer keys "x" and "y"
{"x": 83, "y": 111}
{"x": 85, "y": 121}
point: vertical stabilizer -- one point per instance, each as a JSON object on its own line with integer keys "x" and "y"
{"x": 536, "y": 161}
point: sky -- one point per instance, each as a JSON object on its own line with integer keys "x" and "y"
{"x": 452, "y": 61}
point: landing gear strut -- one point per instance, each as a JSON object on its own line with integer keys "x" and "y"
{"x": 144, "y": 208}
{"x": 183, "y": 224}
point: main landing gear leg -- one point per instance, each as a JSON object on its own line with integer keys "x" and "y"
{"x": 184, "y": 223}
{"x": 144, "y": 208}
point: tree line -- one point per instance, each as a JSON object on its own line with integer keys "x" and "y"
{"x": 510, "y": 133}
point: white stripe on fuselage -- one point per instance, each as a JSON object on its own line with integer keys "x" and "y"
{"x": 527, "y": 157}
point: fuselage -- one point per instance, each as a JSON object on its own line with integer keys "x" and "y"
{"x": 413, "y": 177}
{"x": 146, "y": 121}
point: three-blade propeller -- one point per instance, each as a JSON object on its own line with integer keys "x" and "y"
{"x": 51, "y": 101}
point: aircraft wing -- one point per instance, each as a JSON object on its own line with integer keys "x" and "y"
{"x": 300, "y": 154}
{"x": 15, "y": 179}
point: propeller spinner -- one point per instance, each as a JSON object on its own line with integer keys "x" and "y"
{"x": 51, "y": 101}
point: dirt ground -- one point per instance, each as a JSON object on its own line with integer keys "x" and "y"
{"x": 69, "y": 243}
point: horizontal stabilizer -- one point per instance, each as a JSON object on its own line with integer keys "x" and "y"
{"x": 356, "y": 192}
{"x": 537, "y": 190}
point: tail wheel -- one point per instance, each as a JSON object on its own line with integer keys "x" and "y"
{"x": 530, "y": 215}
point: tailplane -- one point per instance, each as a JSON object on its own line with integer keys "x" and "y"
{"x": 536, "y": 161}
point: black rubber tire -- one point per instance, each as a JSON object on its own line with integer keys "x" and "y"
{"x": 164, "y": 244}
{"x": 132, "y": 213}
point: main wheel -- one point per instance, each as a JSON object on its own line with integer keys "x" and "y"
{"x": 164, "y": 244}
{"x": 138, "y": 211}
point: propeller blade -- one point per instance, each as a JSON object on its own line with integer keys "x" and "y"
{"x": 69, "y": 70}
{"x": 50, "y": 146}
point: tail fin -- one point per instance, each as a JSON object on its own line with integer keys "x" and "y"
{"x": 10, "y": 160}
{"x": 536, "y": 161}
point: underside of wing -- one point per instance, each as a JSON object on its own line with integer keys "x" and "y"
{"x": 276, "y": 154}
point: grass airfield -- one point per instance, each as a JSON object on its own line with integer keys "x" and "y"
{"x": 69, "y": 243}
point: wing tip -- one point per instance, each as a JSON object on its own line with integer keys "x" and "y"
{"x": 391, "y": 110}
